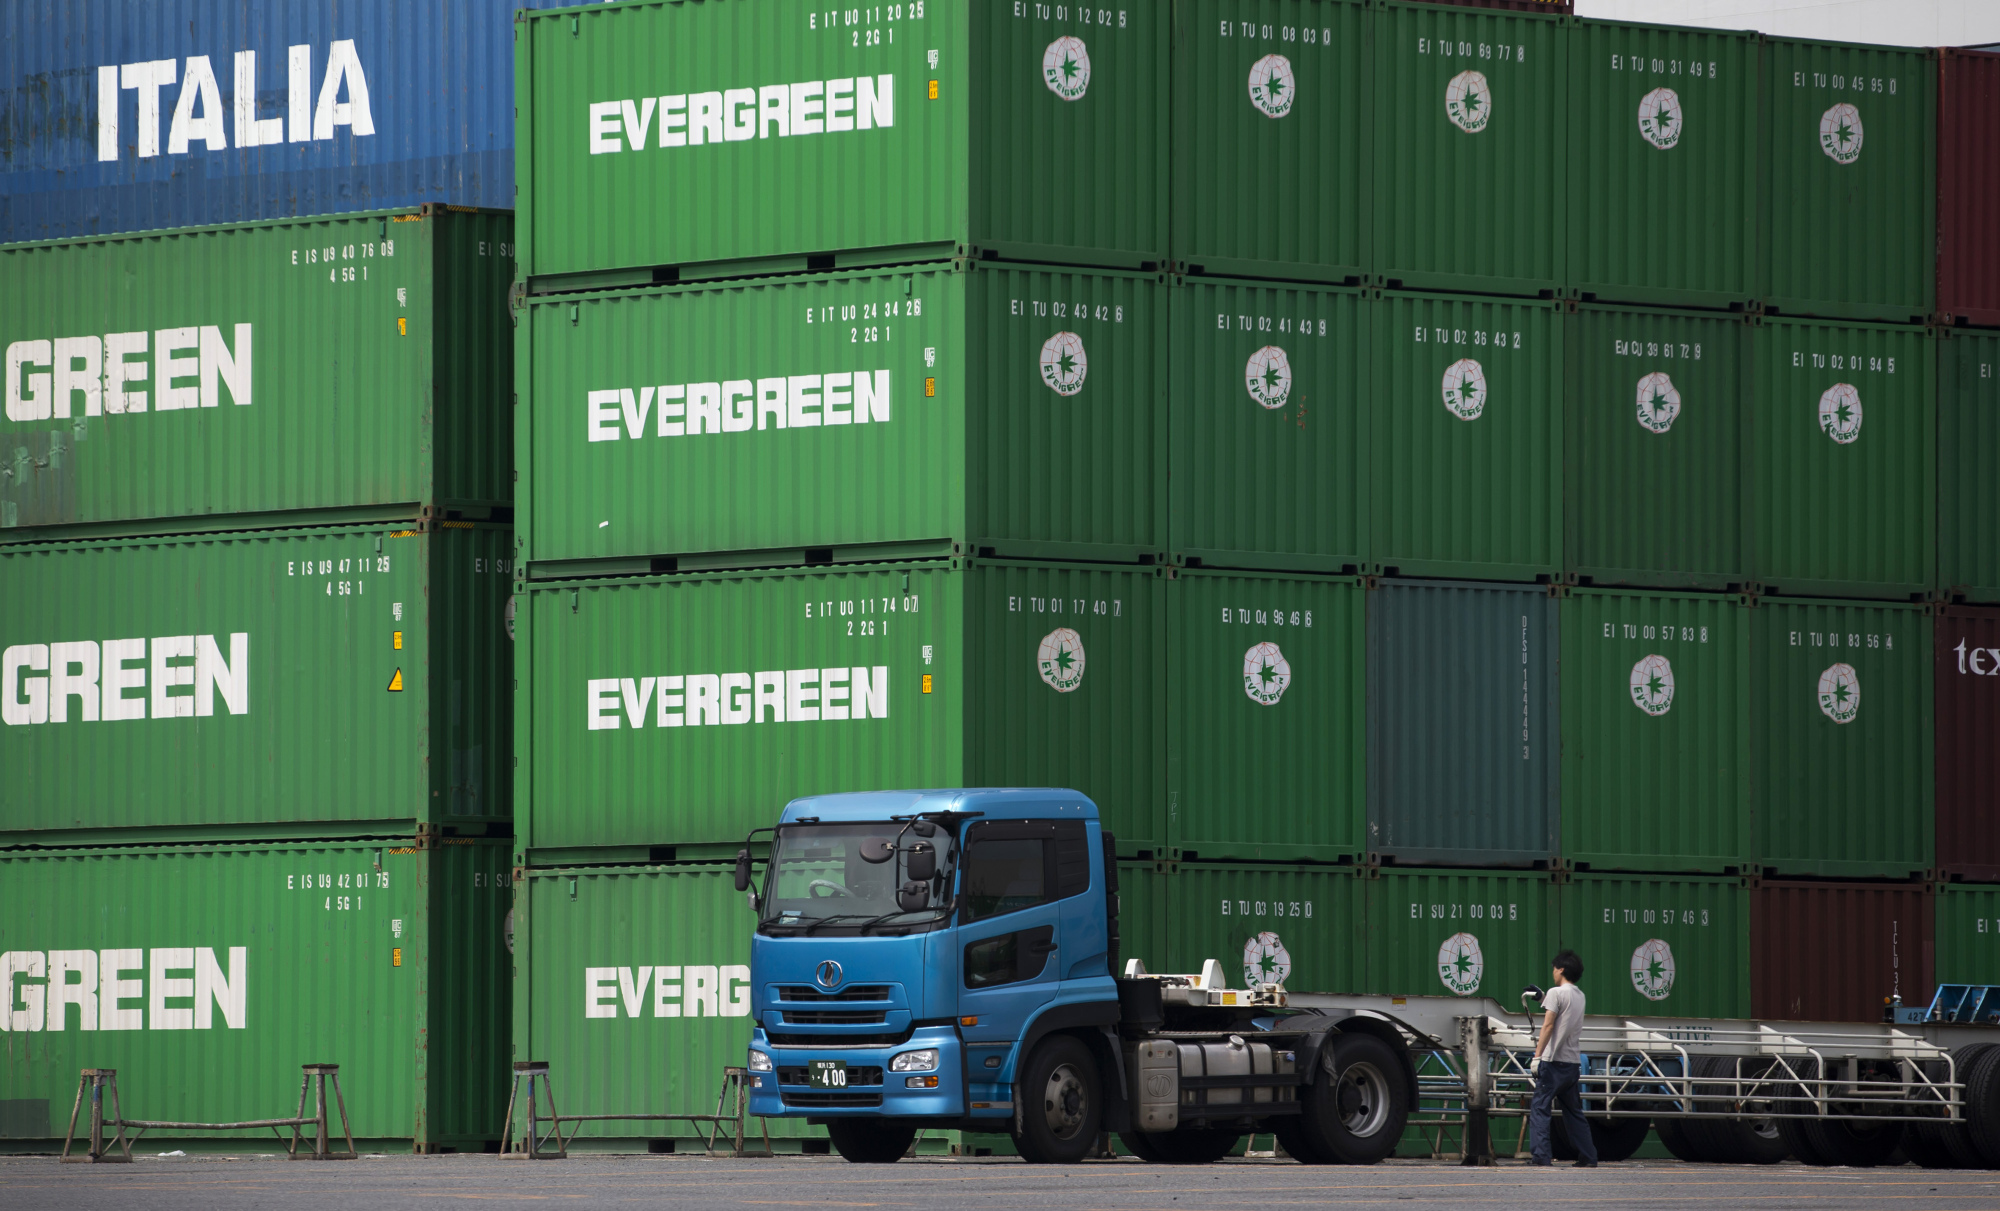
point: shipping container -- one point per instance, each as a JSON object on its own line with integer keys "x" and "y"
{"x": 1836, "y": 952}
{"x": 972, "y": 129}
{"x": 350, "y": 368}
{"x": 1268, "y": 472}
{"x": 1968, "y": 934}
{"x": 1850, "y": 180}
{"x": 1663, "y": 164}
{"x": 1968, "y": 177}
{"x": 246, "y": 962}
{"x": 1460, "y": 933}
{"x": 1265, "y": 677}
{"x": 1012, "y": 410}
{"x": 1661, "y": 945}
{"x": 1465, "y": 485}
{"x": 1841, "y": 716}
{"x": 1653, "y": 492}
{"x": 1463, "y": 749}
{"x": 329, "y": 682}
{"x": 1468, "y": 175}
{"x": 117, "y": 118}
{"x": 1966, "y": 674}
{"x": 1142, "y": 922}
{"x": 1968, "y": 514}
{"x": 1271, "y": 138}
{"x": 1655, "y": 773}
{"x": 1560, "y": 7}
{"x": 1300, "y": 926}
{"x": 1839, "y": 507}
{"x": 972, "y": 673}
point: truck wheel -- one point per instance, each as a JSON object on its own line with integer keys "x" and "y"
{"x": 1981, "y": 1078}
{"x": 1829, "y": 1142}
{"x": 1060, "y": 1103}
{"x": 1616, "y": 1139}
{"x": 1297, "y": 1141}
{"x": 1924, "y": 1143}
{"x": 1358, "y": 1101}
{"x": 1674, "y": 1135}
{"x": 1143, "y": 1146}
{"x": 871, "y": 1141}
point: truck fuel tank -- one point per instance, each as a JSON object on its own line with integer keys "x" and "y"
{"x": 1155, "y": 1065}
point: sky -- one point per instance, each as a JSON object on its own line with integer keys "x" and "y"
{"x": 1897, "y": 22}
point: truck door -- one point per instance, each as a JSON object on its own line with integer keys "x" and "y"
{"x": 1016, "y": 873}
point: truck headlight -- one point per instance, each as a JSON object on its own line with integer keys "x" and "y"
{"x": 759, "y": 1062}
{"x": 915, "y": 1061}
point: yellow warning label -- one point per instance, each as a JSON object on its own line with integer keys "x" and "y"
{"x": 933, "y": 90}
{"x": 402, "y": 325}
{"x": 930, "y": 387}
{"x": 396, "y": 957}
{"x": 927, "y": 683}
{"x": 396, "y": 682}
{"x": 399, "y": 641}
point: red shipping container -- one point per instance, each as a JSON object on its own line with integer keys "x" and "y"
{"x": 1967, "y": 686}
{"x": 1968, "y": 167}
{"x": 1830, "y": 952}
{"x": 1559, "y": 7}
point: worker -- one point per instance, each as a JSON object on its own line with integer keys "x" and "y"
{"x": 1557, "y": 1066}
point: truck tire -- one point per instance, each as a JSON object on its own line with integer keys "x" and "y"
{"x": 1677, "y": 1140}
{"x": 1186, "y": 1146}
{"x": 1982, "y": 1106}
{"x": 871, "y": 1141}
{"x": 1830, "y": 1142}
{"x": 1749, "y": 1141}
{"x": 1925, "y": 1144}
{"x": 1616, "y": 1138}
{"x": 1728, "y": 1141}
{"x": 1297, "y": 1142}
{"x": 1358, "y": 1101}
{"x": 1061, "y": 1106}
{"x": 1141, "y": 1144}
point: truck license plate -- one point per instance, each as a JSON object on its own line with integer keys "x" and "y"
{"x": 827, "y": 1074}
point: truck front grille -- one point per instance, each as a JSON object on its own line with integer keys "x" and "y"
{"x": 858, "y": 992}
{"x": 835, "y": 1017}
{"x": 856, "y": 1075}
{"x": 784, "y": 1039}
{"x": 817, "y": 1098}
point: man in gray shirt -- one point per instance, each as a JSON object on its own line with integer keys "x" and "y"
{"x": 1557, "y": 1065}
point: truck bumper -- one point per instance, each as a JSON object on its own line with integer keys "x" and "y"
{"x": 873, "y": 1091}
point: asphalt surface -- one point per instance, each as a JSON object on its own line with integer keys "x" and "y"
{"x": 693, "y": 1183}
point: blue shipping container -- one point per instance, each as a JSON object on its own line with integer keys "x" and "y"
{"x": 125, "y": 116}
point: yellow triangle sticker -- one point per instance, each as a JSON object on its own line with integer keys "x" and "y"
{"x": 396, "y": 682}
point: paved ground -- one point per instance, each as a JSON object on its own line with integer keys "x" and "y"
{"x": 674, "y": 1183}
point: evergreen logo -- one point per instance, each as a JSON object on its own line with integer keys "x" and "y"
{"x": 1266, "y": 674}
{"x": 1465, "y": 389}
{"x": 1840, "y": 693}
{"x": 1272, "y": 86}
{"x": 1660, "y": 118}
{"x": 1659, "y": 403}
{"x": 1840, "y": 413}
{"x": 1653, "y": 685}
{"x": 1066, "y": 68}
{"x": 1653, "y": 969}
{"x": 1468, "y": 102}
{"x": 1064, "y": 363}
{"x": 1060, "y": 659}
{"x": 1840, "y": 133}
{"x": 1460, "y": 964}
{"x": 1265, "y": 960}
{"x": 1268, "y": 376}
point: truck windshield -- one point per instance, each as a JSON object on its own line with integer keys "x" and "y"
{"x": 819, "y": 883}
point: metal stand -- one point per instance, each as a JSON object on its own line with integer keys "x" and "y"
{"x": 97, "y": 1080}
{"x": 739, "y": 1080}
{"x": 531, "y": 1143}
{"x": 314, "y": 1082}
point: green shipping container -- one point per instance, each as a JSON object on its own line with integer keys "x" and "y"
{"x": 1968, "y": 491}
{"x": 301, "y": 682}
{"x": 1661, "y": 945}
{"x": 1663, "y": 164}
{"x": 1266, "y": 685}
{"x": 953, "y": 410}
{"x": 809, "y": 137}
{"x": 1271, "y": 138}
{"x": 1466, "y": 438}
{"x": 1850, "y": 180}
{"x": 1656, "y": 732}
{"x": 1469, "y": 149}
{"x": 1303, "y": 927}
{"x": 1654, "y": 470}
{"x": 207, "y": 976}
{"x": 1842, "y": 715}
{"x": 1142, "y": 921}
{"x": 1459, "y": 933}
{"x": 1841, "y": 507}
{"x": 952, "y": 674}
{"x": 1268, "y": 471}
{"x": 1968, "y": 934}
{"x": 351, "y": 368}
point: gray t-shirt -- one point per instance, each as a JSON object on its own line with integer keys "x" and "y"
{"x": 1565, "y": 1003}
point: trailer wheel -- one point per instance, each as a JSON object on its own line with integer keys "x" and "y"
{"x": 1729, "y": 1141}
{"x": 1925, "y": 1144}
{"x": 1297, "y": 1141}
{"x": 1185, "y": 1146}
{"x": 871, "y": 1141}
{"x": 1358, "y": 1101}
{"x": 1674, "y": 1135}
{"x": 1982, "y": 1106}
{"x": 1061, "y": 1106}
{"x": 1616, "y": 1138}
{"x": 1830, "y": 1142}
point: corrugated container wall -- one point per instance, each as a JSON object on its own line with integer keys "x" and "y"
{"x": 1303, "y": 927}
{"x": 206, "y": 977}
{"x": 1271, "y": 175}
{"x": 1653, "y": 465}
{"x": 1656, "y": 732}
{"x": 180, "y": 113}
{"x": 1663, "y": 164}
{"x": 344, "y": 680}
{"x": 1018, "y": 410}
{"x": 1848, "y": 409}
{"x": 1966, "y": 677}
{"x": 968, "y": 128}
{"x": 1968, "y": 179}
{"x": 1661, "y": 945}
{"x": 980, "y": 674}
{"x": 1265, "y": 685}
{"x": 1968, "y": 935}
{"x": 1463, "y": 752}
{"x": 1466, "y": 437}
{"x": 1968, "y": 512}
{"x": 1834, "y": 952}
{"x": 312, "y": 368}
{"x": 1142, "y": 924}
{"x": 1458, "y": 933}
{"x": 1850, "y": 181}
{"x": 1469, "y": 156}
{"x": 1269, "y": 448}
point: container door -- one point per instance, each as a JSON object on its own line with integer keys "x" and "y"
{"x": 1010, "y": 936}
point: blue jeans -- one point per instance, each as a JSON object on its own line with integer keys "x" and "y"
{"x": 1557, "y": 1083}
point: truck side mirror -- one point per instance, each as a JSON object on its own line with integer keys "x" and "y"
{"x": 743, "y": 870}
{"x": 922, "y": 861}
{"x": 923, "y": 828}
{"x": 913, "y": 896}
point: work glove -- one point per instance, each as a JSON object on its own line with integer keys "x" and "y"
{"x": 1535, "y": 1067}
